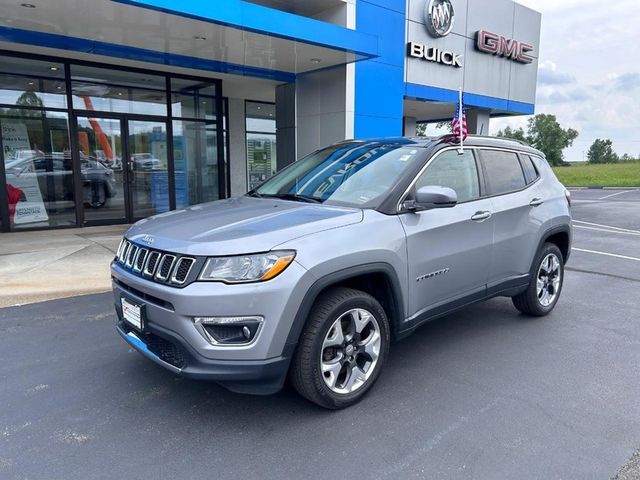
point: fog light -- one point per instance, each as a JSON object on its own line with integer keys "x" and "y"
{"x": 230, "y": 330}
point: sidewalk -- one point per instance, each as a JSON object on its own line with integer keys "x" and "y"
{"x": 38, "y": 266}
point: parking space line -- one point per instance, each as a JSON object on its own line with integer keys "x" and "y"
{"x": 614, "y": 194}
{"x": 595, "y": 252}
{"x": 607, "y": 231}
{"x": 606, "y": 226}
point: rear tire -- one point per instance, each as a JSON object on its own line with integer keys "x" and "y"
{"x": 547, "y": 277}
{"x": 342, "y": 349}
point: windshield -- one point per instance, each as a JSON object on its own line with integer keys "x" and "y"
{"x": 354, "y": 174}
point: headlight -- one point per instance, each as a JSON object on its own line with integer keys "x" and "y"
{"x": 247, "y": 268}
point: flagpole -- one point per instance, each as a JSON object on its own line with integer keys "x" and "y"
{"x": 460, "y": 120}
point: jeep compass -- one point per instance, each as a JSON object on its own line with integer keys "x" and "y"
{"x": 311, "y": 275}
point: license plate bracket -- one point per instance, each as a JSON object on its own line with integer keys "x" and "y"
{"x": 132, "y": 314}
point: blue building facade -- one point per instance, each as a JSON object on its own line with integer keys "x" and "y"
{"x": 185, "y": 102}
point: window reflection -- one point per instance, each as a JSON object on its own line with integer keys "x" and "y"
{"x": 32, "y": 83}
{"x": 261, "y": 142}
{"x": 109, "y": 178}
{"x": 99, "y": 89}
{"x": 193, "y": 99}
{"x": 196, "y": 162}
{"x": 38, "y": 168}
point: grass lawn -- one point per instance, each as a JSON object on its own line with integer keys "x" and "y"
{"x": 626, "y": 174}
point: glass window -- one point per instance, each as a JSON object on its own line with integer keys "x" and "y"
{"x": 38, "y": 168}
{"x": 196, "y": 162}
{"x": 101, "y": 167}
{"x": 504, "y": 173}
{"x": 32, "y": 83}
{"x": 530, "y": 172}
{"x": 99, "y": 89}
{"x": 193, "y": 99}
{"x": 348, "y": 174}
{"x": 261, "y": 142}
{"x": 459, "y": 172}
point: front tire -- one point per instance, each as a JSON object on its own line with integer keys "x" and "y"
{"x": 547, "y": 276}
{"x": 342, "y": 349}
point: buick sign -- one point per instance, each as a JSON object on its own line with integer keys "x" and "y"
{"x": 439, "y": 17}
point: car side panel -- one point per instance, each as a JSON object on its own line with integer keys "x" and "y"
{"x": 449, "y": 254}
{"x": 520, "y": 226}
{"x": 378, "y": 238}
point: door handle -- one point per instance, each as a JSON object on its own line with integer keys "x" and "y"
{"x": 481, "y": 216}
{"x": 536, "y": 202}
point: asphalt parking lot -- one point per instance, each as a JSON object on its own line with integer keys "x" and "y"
{"x": 484, "y": 393}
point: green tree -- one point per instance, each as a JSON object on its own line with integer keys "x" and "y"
{"x": 601, "y": 151}
{"x": 518, "y": 134}
{"x": 29, "y": 98}
{"x": 627, "y": 158}
{"x": 546, "y": 134}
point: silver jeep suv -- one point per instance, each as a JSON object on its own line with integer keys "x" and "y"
{"x": 312, "y": 274}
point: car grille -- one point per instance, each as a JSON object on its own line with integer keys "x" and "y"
{"x": 161, "y": 267}
{"x": 166, "y": 350}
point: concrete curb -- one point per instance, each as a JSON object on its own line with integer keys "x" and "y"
{"x": 25, "y": 299}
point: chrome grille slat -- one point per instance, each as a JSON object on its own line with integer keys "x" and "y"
{"x": 120, "y": 246}
{"x": 152, "y": 263}
{"x": 140, "y": 258}
{"x": 182, "y": 269}
{"x": 155, "y": 265}
{"x": 123, "y": 253}
{"x": 131, "y": 255}
{"x": 165, "y": 267}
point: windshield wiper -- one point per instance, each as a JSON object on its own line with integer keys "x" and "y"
{"x": 254, "y": 194}
{"x": 296, "y": 197}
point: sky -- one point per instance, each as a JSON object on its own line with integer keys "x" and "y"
{"x": 589, "y": 72}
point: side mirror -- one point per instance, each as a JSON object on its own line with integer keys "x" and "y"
{"x": 430, "y": 197}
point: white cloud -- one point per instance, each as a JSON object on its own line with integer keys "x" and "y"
{"x": 589, "y": 74}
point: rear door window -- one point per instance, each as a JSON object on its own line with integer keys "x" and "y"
{"x": 530, "y": 172}
{"x": 503, "y": 172}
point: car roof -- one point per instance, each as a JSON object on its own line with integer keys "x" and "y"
{"x": 471, "y": 141}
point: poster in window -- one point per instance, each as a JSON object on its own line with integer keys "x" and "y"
{"x": 24, "y": 195}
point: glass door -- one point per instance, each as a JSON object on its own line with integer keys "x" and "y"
{"x": 123, "y": 165}
{"x": 103, "y": 174}
{"x": 147, "y": 167}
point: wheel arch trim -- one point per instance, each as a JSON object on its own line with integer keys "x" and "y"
{"x": 566, "y": 229}
{"x": 335, "y": 278}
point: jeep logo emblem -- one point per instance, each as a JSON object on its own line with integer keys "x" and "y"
{"x": 439, "y": 17}
{"x": 148, "y": 239}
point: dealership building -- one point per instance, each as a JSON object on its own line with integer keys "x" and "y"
{"x": 115, "y": 110}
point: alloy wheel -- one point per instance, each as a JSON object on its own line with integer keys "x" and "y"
{"x": 350, "y": 351}
{"x": 548, "y": 280}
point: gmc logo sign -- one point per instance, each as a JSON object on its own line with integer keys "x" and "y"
{"x": 494, "y": 44}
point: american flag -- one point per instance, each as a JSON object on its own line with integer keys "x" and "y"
{"x": 460, "y": 122}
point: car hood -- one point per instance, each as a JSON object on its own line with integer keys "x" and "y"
{"x": 238, "y": 225}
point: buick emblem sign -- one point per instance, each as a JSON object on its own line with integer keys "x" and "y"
{"x": 439, "y": 17}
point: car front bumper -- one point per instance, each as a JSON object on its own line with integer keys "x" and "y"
{"x": 172, "y": 339}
